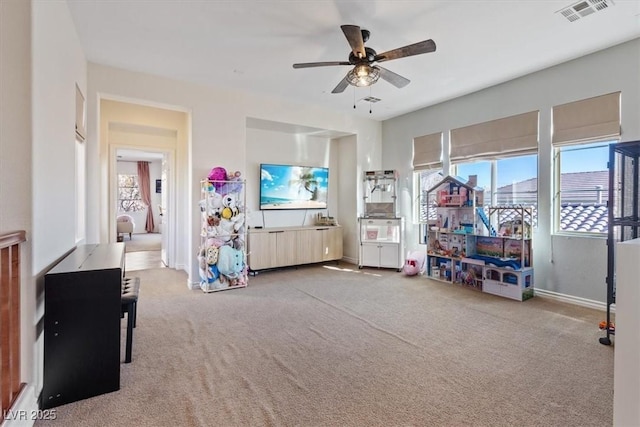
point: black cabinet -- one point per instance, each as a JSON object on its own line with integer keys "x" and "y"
{"x": 624, "y": 213}
{"x": 82, "y": 324}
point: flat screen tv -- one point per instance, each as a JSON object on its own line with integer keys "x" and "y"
{"x": 293, "y": 187}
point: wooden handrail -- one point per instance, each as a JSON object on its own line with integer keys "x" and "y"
{"x": 10, "y": 384}
{"x": 12, "y": 238}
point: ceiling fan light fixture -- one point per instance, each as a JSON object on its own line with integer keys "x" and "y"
{"x": 363, "y": 75}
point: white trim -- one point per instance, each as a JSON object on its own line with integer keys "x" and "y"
{"x": 349, "y": 260}
{"x": 24, "y": 409}
{"x": 583, "y": 302}
{"x": 193, "y": 285}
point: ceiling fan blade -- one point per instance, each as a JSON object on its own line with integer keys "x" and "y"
{"x": 395, "y": 79}
{"x": 341, "y": 86}
{"x": 425, "y": 46}
{"x": 320, "y": 64}
{"x": 354, "y": 37}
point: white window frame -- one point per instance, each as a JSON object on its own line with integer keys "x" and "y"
{"x": 557, "y": 173}
{"x": 142, "y": 204}
{"x": 417, "y": 186}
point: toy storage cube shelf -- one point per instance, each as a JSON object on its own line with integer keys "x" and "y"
{"x": 486, "y": 249}
{"x": 382, "y": 242}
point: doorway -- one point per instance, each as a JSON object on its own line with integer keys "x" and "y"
{"x": 138, "y": 131}
{"x": 143, "y": 225}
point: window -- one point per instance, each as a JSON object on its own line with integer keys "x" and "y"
{"x": 582, "y": 187}
{"x": 129, "y": 198}
{"x": 515, "y": 181}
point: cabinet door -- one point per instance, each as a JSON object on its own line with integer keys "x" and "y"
{"x": 286, "y": 249}
{"x": 309, "y": 245}
{"x": 370, "y": 254}
{"x": 389, "y": 256}
{"x": 262, "y": 249}
{"x": 331, "y": 243}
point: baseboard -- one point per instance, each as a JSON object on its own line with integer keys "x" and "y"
{"x": 350, "y": 260}
{"x": 583, "y": 302}
{"x": 24, "y": 411}
{"x": 193, "y": 285}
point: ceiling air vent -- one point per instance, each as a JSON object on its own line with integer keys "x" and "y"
{"x": 371, "y": 99}
{"x": 584, "y": 8}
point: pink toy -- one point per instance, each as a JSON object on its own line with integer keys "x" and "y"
{"x": 218, "y": 174}
{"x": 414, "y": 263}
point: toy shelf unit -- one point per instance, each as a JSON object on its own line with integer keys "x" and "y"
{"x": 380, "y": 194}
{"x": 487, "y": 249}
{"x": 624, "y": 213}
{"x": 451, "y": 226}
{"x": 222, "y": 257}
{"x": 506, "y": 254}
{"x": 382, "y": 242}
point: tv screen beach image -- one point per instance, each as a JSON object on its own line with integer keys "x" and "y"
{"x": 293, "y": 187}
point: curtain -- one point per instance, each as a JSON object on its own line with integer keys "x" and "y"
{"x": 587, "y": 119}
{"x": 145, "y": 192}
{"x": 509, "y": 136}
{"x": 427, "y": 151}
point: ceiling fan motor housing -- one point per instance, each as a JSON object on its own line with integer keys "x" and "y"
{"x": 369, "y": 57}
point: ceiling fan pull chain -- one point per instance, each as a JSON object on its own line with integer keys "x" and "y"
{"x": 370, "y": 98}
{"x": 354, "y": 97}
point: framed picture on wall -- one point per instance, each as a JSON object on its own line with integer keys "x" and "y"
{"x": 158, "y": 186}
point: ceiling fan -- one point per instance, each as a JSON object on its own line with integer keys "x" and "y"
{"x": 363, "y": 60}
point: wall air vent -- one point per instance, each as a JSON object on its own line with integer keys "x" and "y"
{"x": 584, "y": 8}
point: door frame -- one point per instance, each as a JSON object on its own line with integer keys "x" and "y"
{"x": 169, "y": 156}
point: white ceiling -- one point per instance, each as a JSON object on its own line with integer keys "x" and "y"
{"x": 251, "y": 45}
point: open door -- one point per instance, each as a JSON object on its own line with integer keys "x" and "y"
{"x": 164, "y": 212}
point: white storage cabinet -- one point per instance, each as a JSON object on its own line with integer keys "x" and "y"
{"x": 382, "y": 243}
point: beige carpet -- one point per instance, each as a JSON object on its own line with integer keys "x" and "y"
{"x": 321, "y": 346}
{"x": 143, "y": 242}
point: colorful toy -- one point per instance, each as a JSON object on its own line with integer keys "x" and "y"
{"x": 230, "y": 262}
{"x": 414, "y": 263}
{"x": 230, "y": 206}
{"x": 218, "y": 174}
{"x": 603, "y": 325}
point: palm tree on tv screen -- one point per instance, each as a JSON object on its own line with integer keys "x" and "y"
{"x": 306, "y": 180}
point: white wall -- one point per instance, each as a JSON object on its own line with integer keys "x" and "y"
{"x": 140, "y": 217}
{"x": 58, "y": 65}
{"x": 573, "y": 266}
{"x": 350, "y": 195}
{"x": 218, "y": 134}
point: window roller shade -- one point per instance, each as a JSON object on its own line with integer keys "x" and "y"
{"x": 592, "y": 118}
{"x": 510, "y": 135}
{"x": 427, "y": 151}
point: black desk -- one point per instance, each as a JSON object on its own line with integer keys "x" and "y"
{"x": 82, "y": 324}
